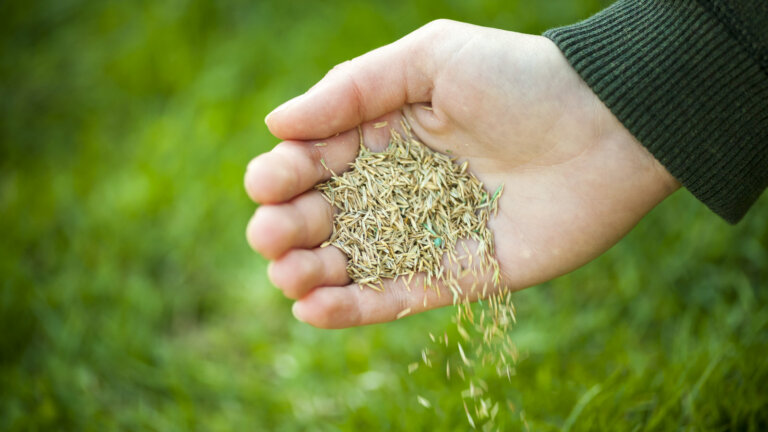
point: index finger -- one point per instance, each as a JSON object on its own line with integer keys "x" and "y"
{"x": 364, "y": 88}
{"x": 293, "y": 167}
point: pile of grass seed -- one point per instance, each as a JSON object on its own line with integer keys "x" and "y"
{"x": 401, "y": 211}
{"x": 410, "y": 210}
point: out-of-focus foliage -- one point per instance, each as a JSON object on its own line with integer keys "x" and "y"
{"x": 130, "y": 301}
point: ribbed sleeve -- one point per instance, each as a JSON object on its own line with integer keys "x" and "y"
{"x": 691, "y": 92}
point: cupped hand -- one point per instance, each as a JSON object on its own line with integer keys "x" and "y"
{"x": 576, "y": 181}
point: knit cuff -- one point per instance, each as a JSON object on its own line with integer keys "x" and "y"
{"x": 685, "y": 88}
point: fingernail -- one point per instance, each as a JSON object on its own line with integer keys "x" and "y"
{"x": 285, "y": 105}
{"x": 294, "y": 311}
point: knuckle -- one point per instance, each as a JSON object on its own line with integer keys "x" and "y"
{"x": 437, "y": 27}
{"x": 340, "y": 66}
{"x": 326, "y": 316}
{"x": 399, "y": 299}
{"x": 294, "y": 225}
{"x": 339, "y": 70}
{"x": 315, "y": 155}
{"x": 345, "y": 72}
{"x": 335, "y": 262}
{"x": 302, "y": 158}
{"x": 307, "y": 268}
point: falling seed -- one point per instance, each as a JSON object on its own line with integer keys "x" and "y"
{"x": 462, "y": 332}
{"x": 469, "y": 416}
{"x": 403, "y": 211}
{"x": 463, "y": 356}
{"x": 423, "y": 402}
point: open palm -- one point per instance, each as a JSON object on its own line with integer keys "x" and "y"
{"x": 575, "y": 180}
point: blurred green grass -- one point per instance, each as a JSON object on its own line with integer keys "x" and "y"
{"x": 130, "y": 300}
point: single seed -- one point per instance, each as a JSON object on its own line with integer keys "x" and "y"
{"x": 403, "y": 313}
{"x": 423, "y": 402}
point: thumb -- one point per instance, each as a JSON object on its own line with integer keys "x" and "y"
{"x": 362, "y": 89}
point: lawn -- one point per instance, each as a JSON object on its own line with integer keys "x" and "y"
{"x": 131, "y": 301}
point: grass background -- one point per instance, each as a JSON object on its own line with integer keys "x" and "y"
{"x": 130, "y": 300}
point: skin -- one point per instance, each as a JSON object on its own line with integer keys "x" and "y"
{"x": 576, "y": 181}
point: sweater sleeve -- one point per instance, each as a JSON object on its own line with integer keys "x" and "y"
{"x": 689, "y": 79}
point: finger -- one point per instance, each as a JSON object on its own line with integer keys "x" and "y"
{"x": 349, "y": 306}
{"x": 366, "y": 87}
{"x": 304, "y": 222}
{"x": 294, "y": 167}
{"x": 301, "y": 270}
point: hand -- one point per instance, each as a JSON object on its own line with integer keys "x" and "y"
{"x": 575, "y": 180}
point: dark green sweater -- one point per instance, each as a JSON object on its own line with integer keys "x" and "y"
{"x": 689, "y": 79}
